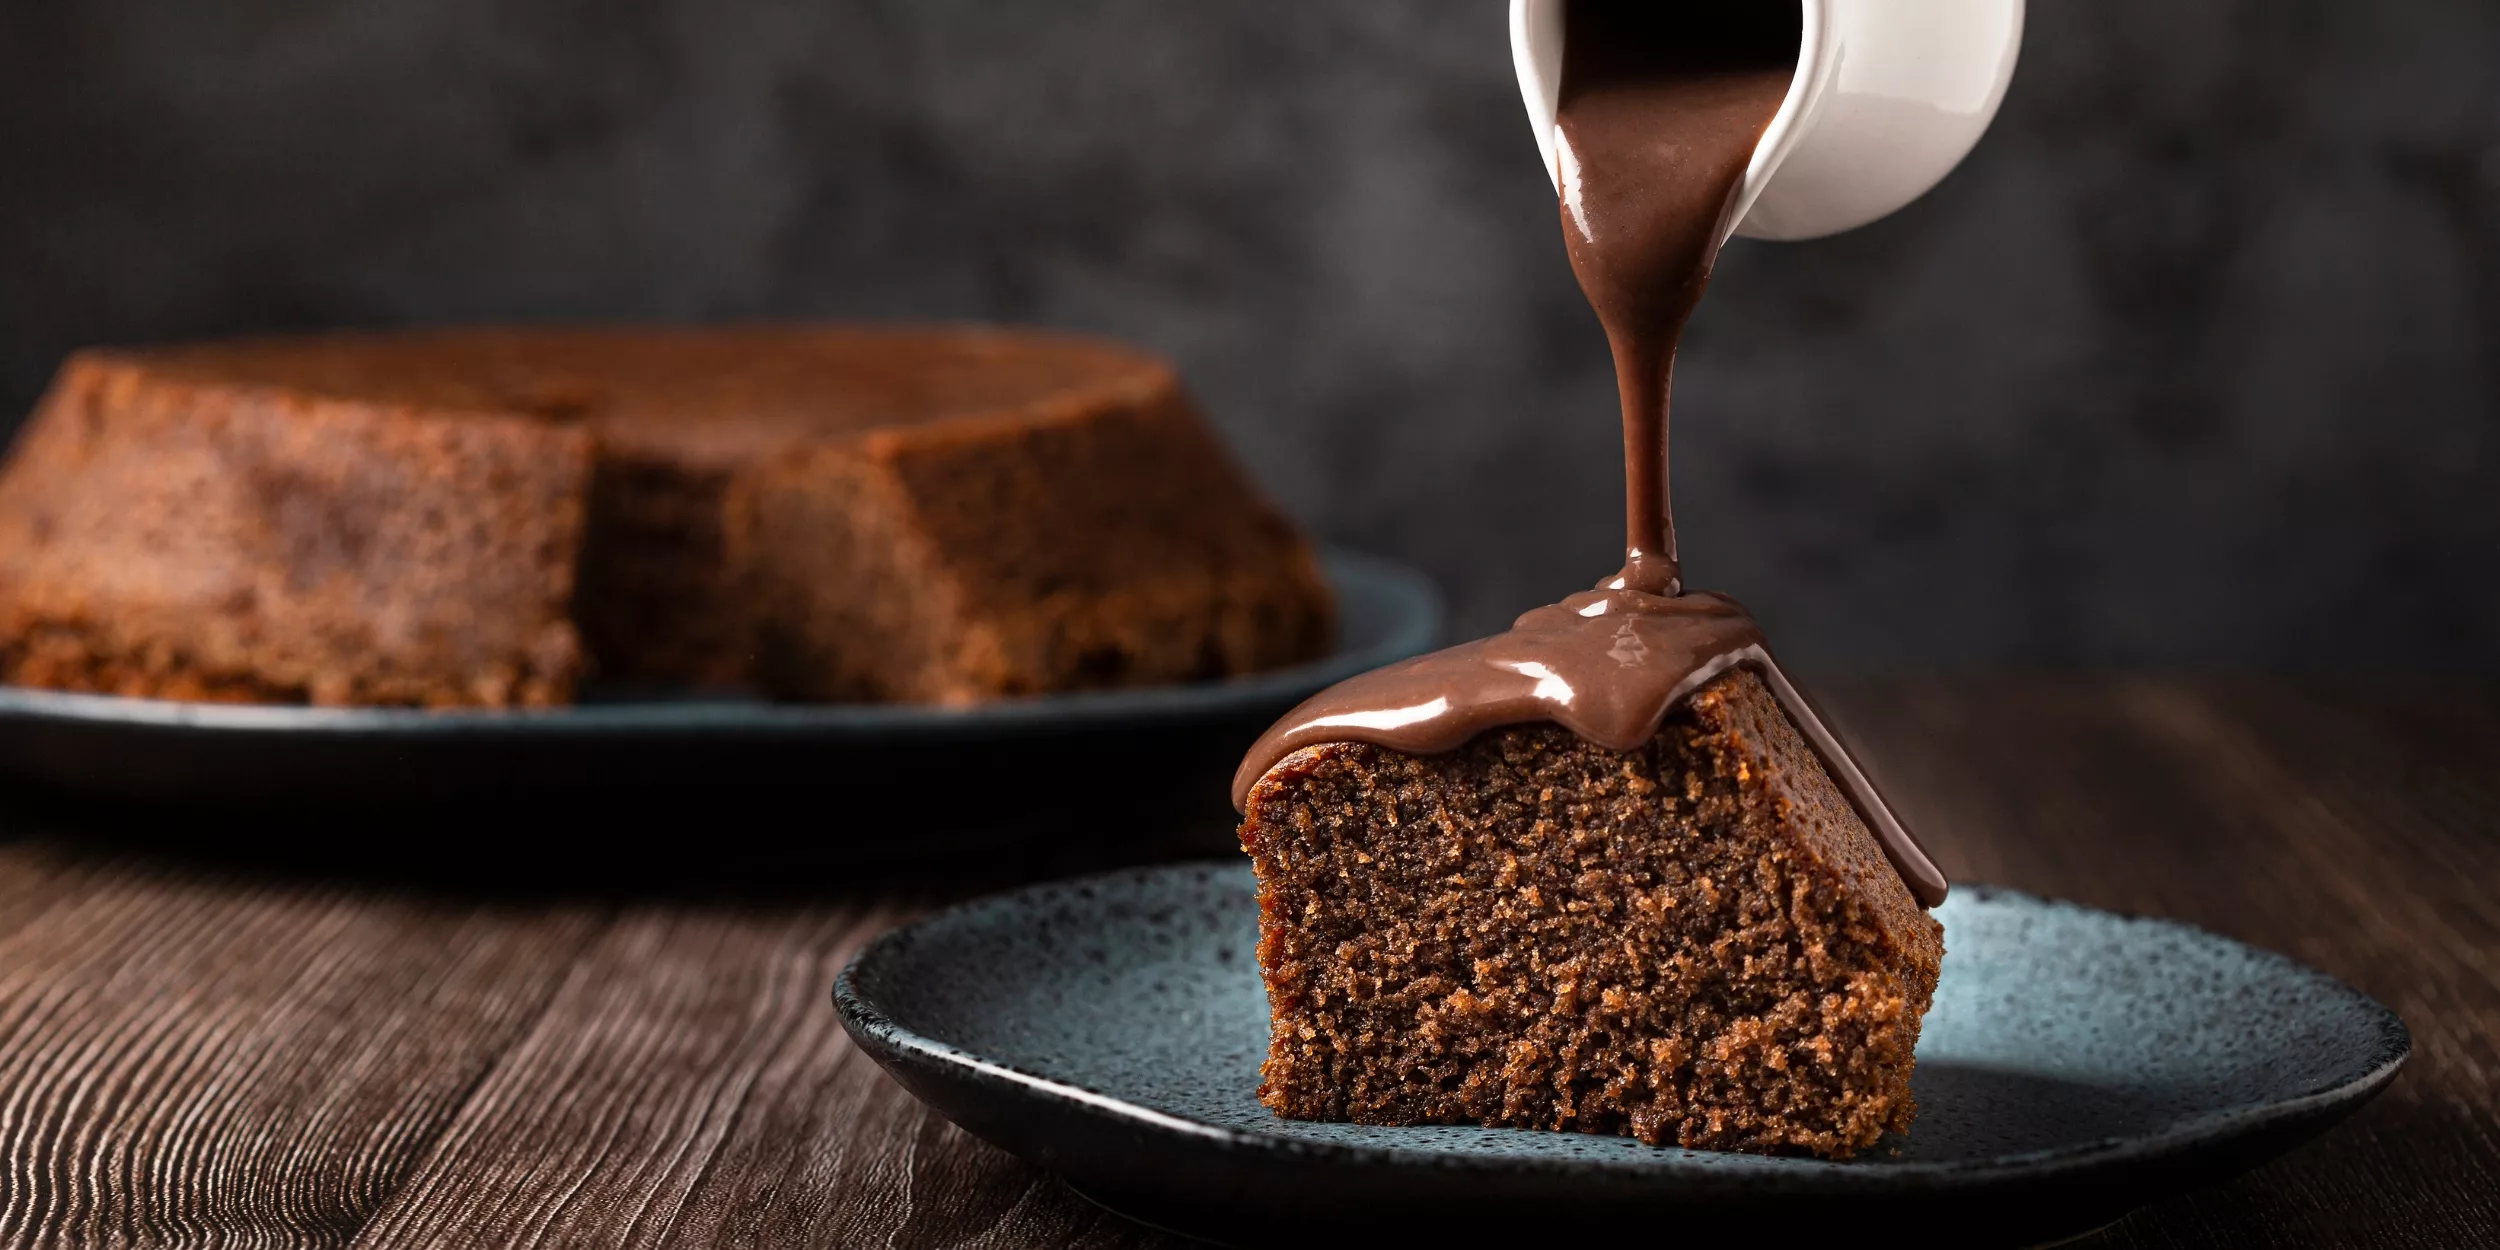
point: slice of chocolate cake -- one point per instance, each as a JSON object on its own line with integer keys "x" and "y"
{"x": 1694, "y": 942}
{"x": 1607, "y": 870}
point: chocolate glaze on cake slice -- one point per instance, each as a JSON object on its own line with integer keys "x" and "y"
{"x": 1608, "y": 870}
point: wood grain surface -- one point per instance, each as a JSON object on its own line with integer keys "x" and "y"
{"x": 209, "y": 1043}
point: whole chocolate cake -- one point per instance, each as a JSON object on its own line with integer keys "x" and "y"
{"x": 479, "y": 517}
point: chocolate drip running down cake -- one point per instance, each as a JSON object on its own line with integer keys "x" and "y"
{"x": 1608, "y": 871}
{"x": 480, "y": 517}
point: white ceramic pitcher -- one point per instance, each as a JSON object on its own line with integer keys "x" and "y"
{"x": 1889, "y": 96}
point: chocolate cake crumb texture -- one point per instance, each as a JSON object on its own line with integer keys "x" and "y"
{"x": 1697, "y": 942}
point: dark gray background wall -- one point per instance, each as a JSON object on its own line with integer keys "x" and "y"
{"x": 2196, "y": 361}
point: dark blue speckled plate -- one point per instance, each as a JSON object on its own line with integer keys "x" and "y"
{"x": 2076, "y": 1064}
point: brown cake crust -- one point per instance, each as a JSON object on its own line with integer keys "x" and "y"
{"x": 993, "y": 556}
{"x": 824, "y": 512}
{"x": 169, "y": 537}
{"x": 1697, "y": 942}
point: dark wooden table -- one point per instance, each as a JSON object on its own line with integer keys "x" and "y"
{"x": 200, "y": 1048}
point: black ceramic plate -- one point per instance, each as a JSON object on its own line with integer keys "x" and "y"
{"x": 2076, "y": 1064}
{"x": 939, "y": 767}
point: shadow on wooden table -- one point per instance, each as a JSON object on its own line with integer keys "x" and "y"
{"x": 759, "y": 844}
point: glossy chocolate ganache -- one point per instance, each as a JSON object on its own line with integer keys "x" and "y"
{"x": 1662, "y": 106}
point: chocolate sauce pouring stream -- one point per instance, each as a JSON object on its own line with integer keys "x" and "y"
{"x": 1662, "y": 106}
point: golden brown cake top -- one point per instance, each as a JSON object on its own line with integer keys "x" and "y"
{"x": 731, "y": 392}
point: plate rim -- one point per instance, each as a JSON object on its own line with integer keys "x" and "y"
{"x": 1726, "y": 1172}
{"x": 1419, "y": 611}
